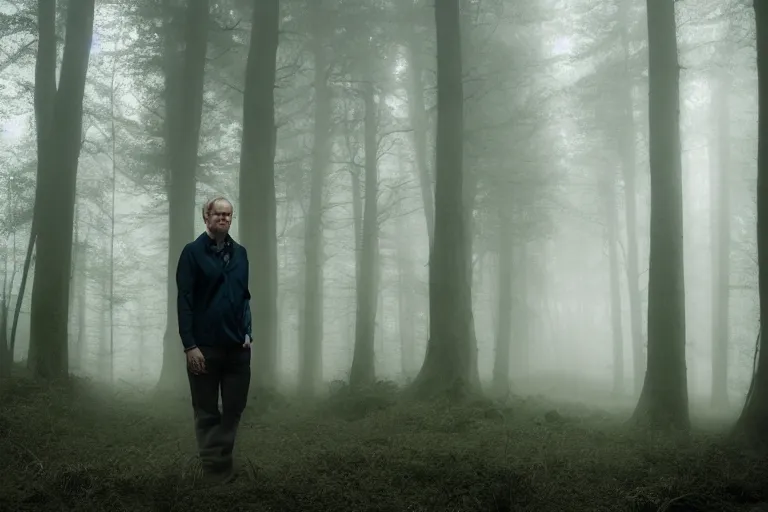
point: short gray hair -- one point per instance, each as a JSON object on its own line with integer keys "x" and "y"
{"x": 208, "y": 206}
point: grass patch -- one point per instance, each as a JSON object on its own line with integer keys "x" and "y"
{"x": 72, "y": 447}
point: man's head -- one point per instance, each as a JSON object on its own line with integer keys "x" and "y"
{"x": 217, "y": 215}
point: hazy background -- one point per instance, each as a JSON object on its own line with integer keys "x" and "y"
{"x": 538, "y": 82}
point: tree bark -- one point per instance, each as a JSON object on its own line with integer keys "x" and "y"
{"x": 45, "y": 96}
{"x": 363, "y": 371}
{"x": 663, "y": 402}
{"x": 720, "y": 215}
{"x": 521, "y": 339}
{"x": 612, "y": 240}
{"x": 258, "y": 205}
{"x": 448, "y": 363}
{"x": 504, "y": 305}
{"x": 405, "y": 294}
{"x": 311, "y": 357}
{"x": 753, "y": 421}
{"x": 57, "y": 173}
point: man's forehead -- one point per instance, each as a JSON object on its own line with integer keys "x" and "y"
{"x": 222, "y": 205}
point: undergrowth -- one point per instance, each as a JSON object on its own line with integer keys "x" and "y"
{"x": 72, "y": 447}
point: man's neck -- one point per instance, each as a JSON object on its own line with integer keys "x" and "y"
{"x": 218, "y": 237}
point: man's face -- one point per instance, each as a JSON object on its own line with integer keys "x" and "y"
{"x": 220, "y": 218}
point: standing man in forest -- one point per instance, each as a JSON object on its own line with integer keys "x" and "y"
{"x": 215, "y": 327}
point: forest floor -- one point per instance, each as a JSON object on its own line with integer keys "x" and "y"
{"x": 76, "y": 448}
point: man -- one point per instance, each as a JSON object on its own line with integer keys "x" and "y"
{"x": 215, "y": 327}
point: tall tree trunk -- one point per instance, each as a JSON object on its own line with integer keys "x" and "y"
{"x": 520, "y": 313}
{"x": 448, "y": 365}
{"x": 612, "y": 240}
{"x": 311, "y": 357}
{"x": 504, "y": 265}
{"x": 363, "y": 371}
{"x": 113, "y": 207}
{"x": 105, "y": 354}
{"x": 45, "y": 97}
{"x": 184, "y": 76}
{"x": 405, "y": 302}
{"x": 81, "y": 301}
{"x": 753, "y": 421}
{"x": 357, "y": 204}
{"x": 6, "y": 363}
{"x": 74, "y": 354}
{"x": 141, "y": 360}
{"x": 74, "y": 290}
{"x": 48, "y": 350}
{"x": 627, "y": 137}
{"x": 258, "y": 227}
{"x": 468, "y": 19}
{"x": 380, "y": 334}
{"x": 663, "y": 402}
{"x": 720, "y": 215}
{"x": 5, "y": 293}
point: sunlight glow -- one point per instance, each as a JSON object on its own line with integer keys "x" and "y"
{"x": 562, "y": 45}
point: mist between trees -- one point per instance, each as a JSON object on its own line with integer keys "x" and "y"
{"x": 395, "y": 231}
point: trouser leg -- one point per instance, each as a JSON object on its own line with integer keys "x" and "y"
{"x": 205, "y": 405}
{"x": 235, "y": 381}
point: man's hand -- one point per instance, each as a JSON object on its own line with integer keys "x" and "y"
{"x": 247, "y": 343}
{"x": 196, "y": 361}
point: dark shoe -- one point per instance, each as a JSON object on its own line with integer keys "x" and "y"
{"x": 219, "y": 477}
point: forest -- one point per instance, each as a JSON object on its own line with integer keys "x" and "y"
{"x": 503, "y": 255}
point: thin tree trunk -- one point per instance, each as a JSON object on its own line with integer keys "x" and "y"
{"x": 105, "y": 355}
{"x": 612, "y": 240}
{"x": 405, "y": 302}
{"x": 311, "y": 356}
{"x": 112, "y": 227}
{"x": 520, "y": 313}
{"x": 629, "y": 170}
{"x": 501, "y": 361}
{"x": 363, "y": 371}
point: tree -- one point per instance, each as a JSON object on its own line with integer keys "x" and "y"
{"x": 184, "y": 75}
{"x": 311, "y": 333}
{"x": 720, "y": 224}
{"x": 448, "y": 362}
{"x": 55, "y": 201}
{"x": 753, "y": 421}
{"x": 363, "y": 371}
{"x": 257, "y": 186}
{"x": 663, "y": 402}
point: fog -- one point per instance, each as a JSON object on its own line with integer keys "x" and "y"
{"x": 543, "y": 86}
{"x": 501, "y": 255}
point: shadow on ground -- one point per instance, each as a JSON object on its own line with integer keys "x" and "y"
{"x": 73, "y": 448}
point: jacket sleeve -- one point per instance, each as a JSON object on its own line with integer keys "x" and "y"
{"x": 185, "y": 285}
{"x": 247, "y": 313}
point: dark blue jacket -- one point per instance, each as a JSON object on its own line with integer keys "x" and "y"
{"x": 213, "y": 301}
